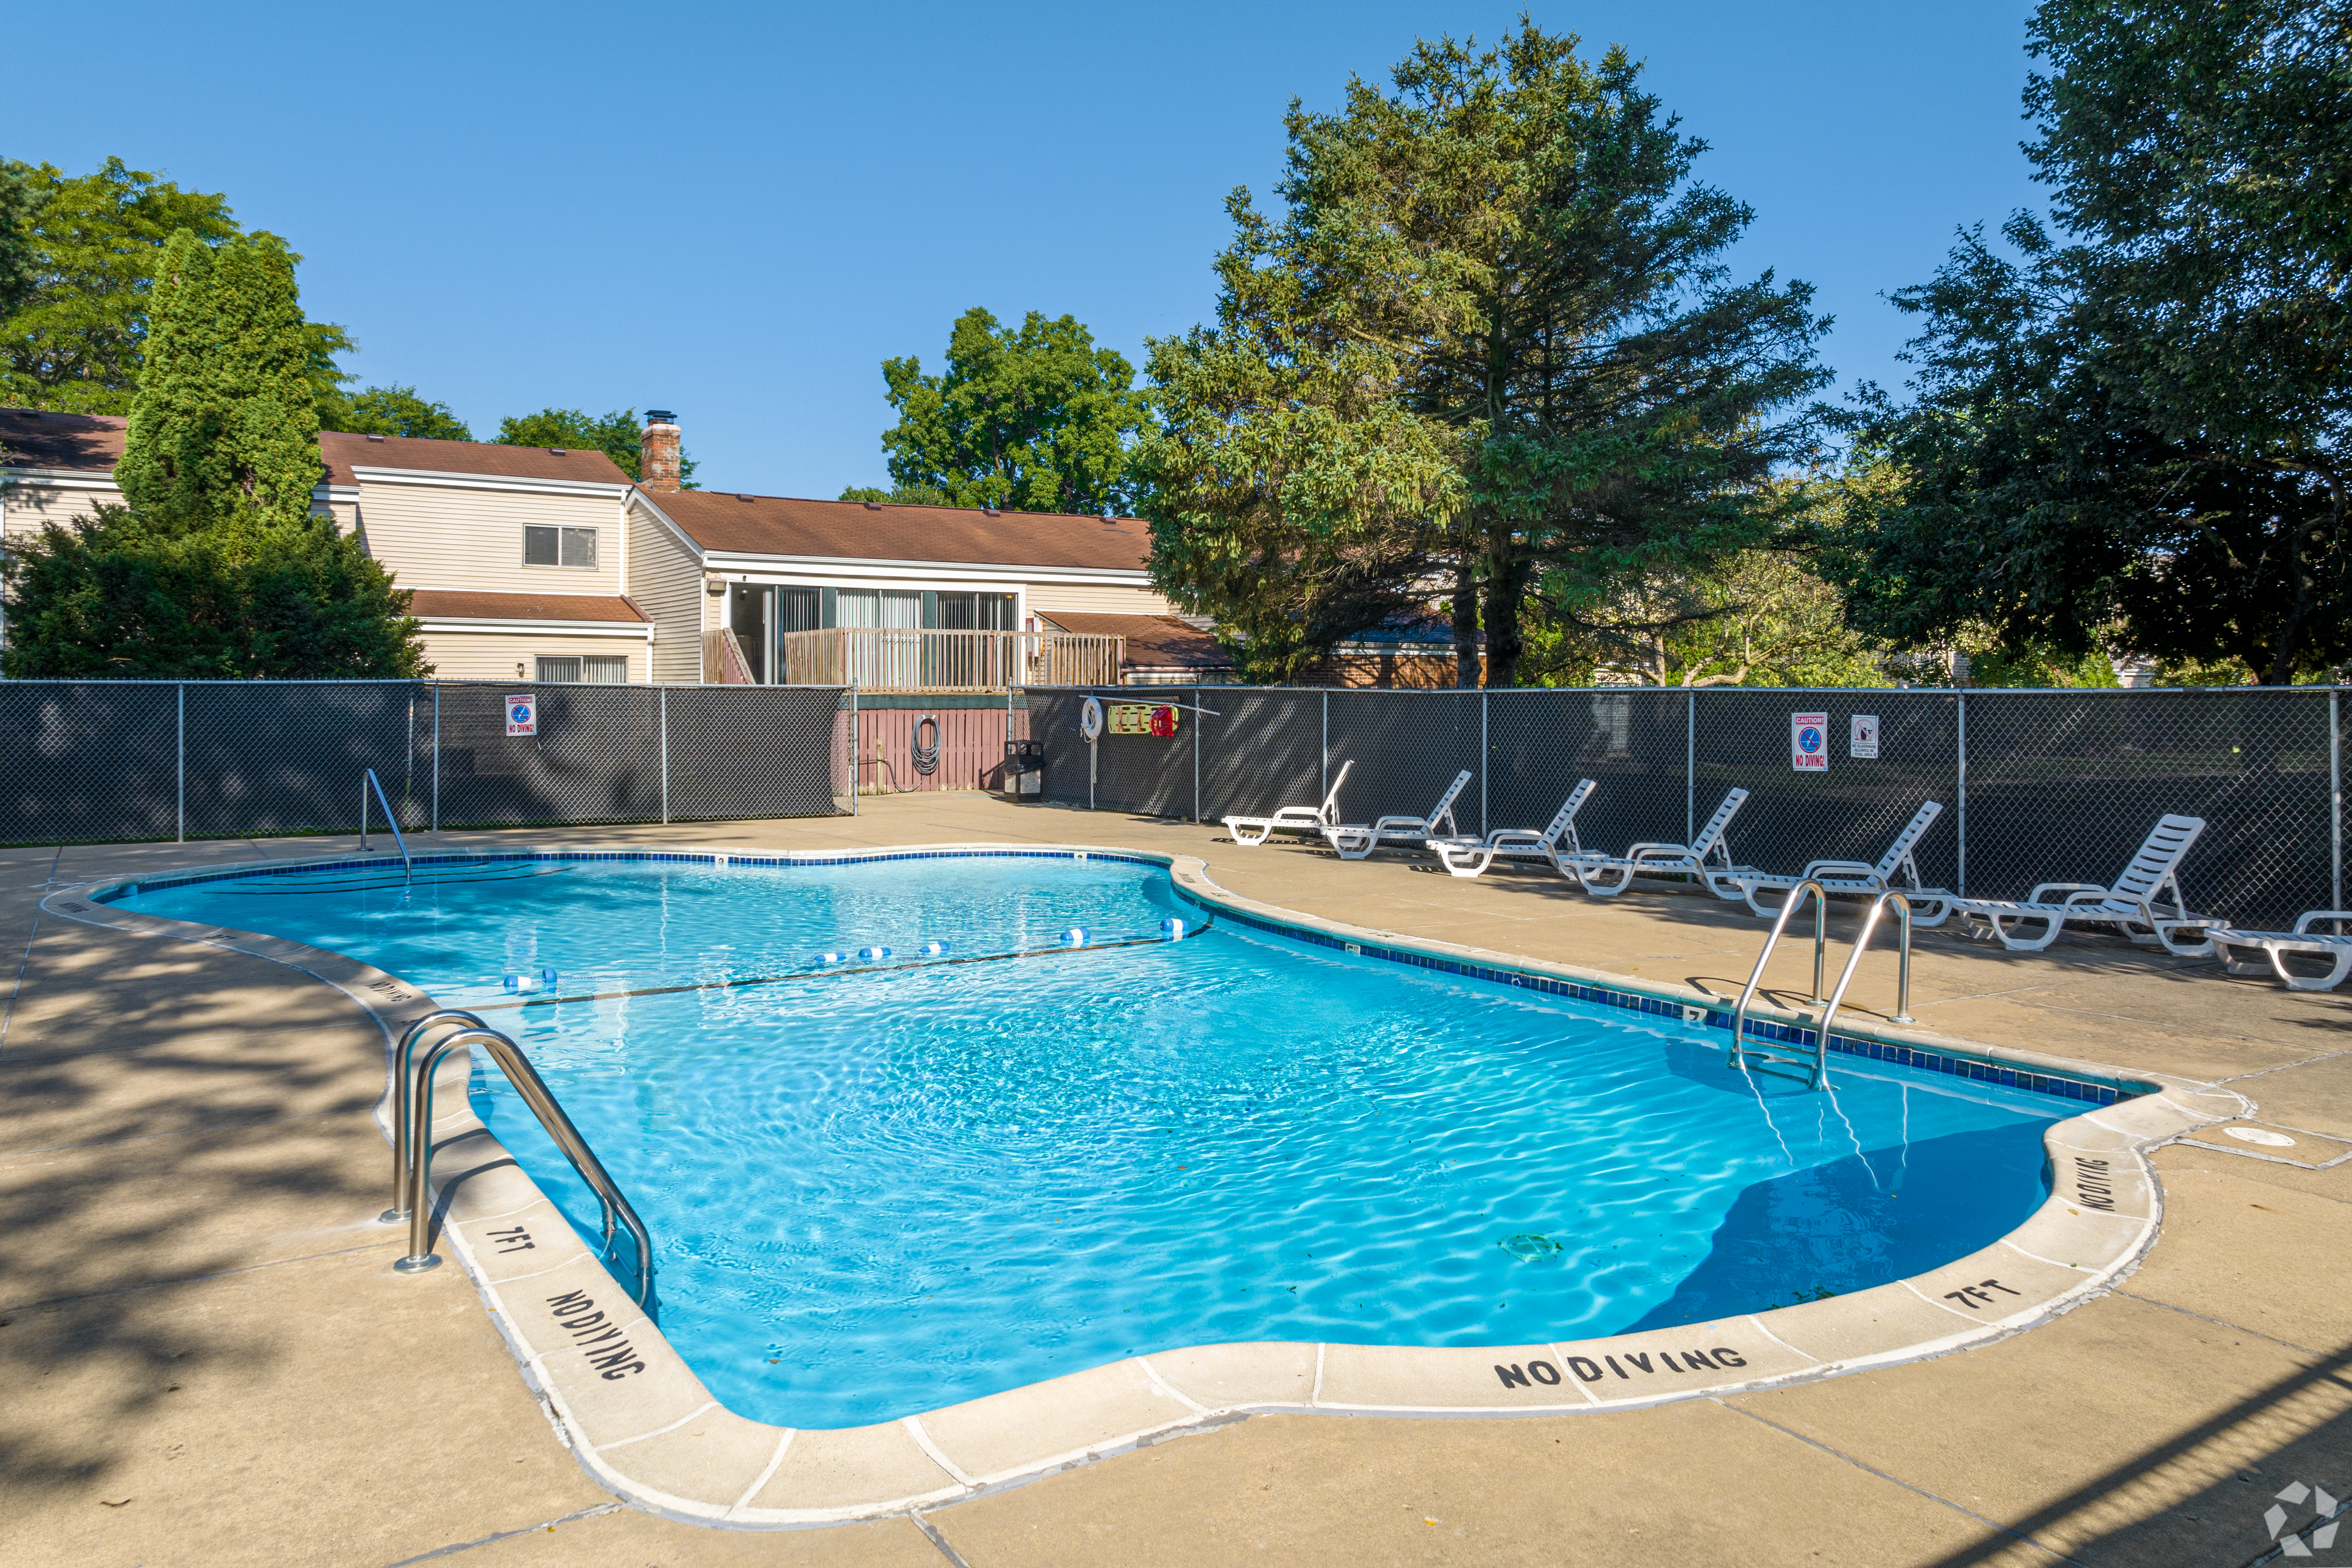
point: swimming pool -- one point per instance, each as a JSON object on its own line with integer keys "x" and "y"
{"x": 874, "y": 1190}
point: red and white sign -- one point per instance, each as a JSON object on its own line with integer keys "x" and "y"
{"x": 1808, "y": 742}
{"x": 522, "y": 715}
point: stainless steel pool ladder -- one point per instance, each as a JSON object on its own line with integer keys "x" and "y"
{"x": 414, "y": 1134}
{"x": 390, "y": 821}
{"x": 1817, "y": 1063}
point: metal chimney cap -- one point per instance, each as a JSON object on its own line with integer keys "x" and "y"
{"x": 660, "y": 417}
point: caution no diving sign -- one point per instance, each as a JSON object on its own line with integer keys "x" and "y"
{"x": 1808, "y": 742}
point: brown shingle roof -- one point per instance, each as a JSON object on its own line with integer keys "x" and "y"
{"x": 93, "y": 442}
{"x": 343, "y": 453}
{"x": 31, "y": 441}
{"x": 1153, "y": 642}
{"x": 848, "y": 529}
{"x": 449, "y": 603}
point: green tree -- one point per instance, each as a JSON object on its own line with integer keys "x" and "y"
{"x": 117, "y": 596}
{"x": 20, "y": 203}
{"x": 1763, "y": 618}
{"x": 224, "y": 433}
{"x": 73, "y": 337}
{"x": 1291, "y": 494}
{"x": 898, "y": 495}
{"x": 391, "y": 411}
{"x": 1516, "y": 233}
{"x": 1034, "y": 419}
{"x": 616, "y": 434}
{"x": 2128, "y": 423}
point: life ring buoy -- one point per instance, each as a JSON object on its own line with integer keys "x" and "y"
{"x": 1090, "y": 720}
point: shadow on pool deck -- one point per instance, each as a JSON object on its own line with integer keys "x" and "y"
{"x": 208, "y": 1359}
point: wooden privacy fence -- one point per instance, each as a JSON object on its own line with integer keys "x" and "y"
{"x": 893, "y": 658}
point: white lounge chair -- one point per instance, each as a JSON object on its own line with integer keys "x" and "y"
{"x": 2274, "y": 945}
{"x": 1471, "y": 857}
{"x": 1291, "y": 818}
{"x": 2130, "y": 904}
{"x": 1592, "y": 872}
{"x": 1355, "y": 841}
{"x": 1859, "y": 878}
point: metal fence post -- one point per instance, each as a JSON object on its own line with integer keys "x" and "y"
{"x": 1962, "y": 879}
{"x": 2336, "y": 794}
{"x": 853, "y": 748}
{"x": 436, "y": 756}
{"x": 1327, "y": 742}
{"x": 1197, "y": 717}
{"x": 1690, "y": 762}
{"x": 664, "y": 697}
{"x": 181, "y": 769}
{"x": 1485, "y": 763}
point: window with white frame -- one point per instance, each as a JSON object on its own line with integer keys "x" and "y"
{"x": 546, "y": 545}
{"x": 596, "y": 668}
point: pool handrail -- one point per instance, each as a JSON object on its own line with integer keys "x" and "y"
{"x": 534, "y": 1093}
{"x": 1819, "y": 1065}
{"x": 404, "y": 1057}
{"x": 1741, "y": 1048}
{"x": 1901, "y": 1014}
{"x": 406, "y": 865}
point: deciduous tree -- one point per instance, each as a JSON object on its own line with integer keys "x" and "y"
{"x": 391, "y": 411}
{"x": 616, "y": 434}
{"x": 72, "y": 337}
{"x": 1033, "y": 418}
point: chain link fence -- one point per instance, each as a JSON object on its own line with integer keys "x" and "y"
{"x": 96, "y": 761}
{"x": 2036, "y": 786}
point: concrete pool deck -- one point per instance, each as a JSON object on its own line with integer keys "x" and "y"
{"x": 208, "y": 1345}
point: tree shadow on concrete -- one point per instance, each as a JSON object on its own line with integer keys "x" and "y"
{"x": 2237, "y": 1473}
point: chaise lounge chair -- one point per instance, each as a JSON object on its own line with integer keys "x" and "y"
{"x": 1592, "y": 872}
{"x": 1356, "y": 841}
{"x": 1471, "y": 857}
{"x": 2274, "y": 945}
{"x": 1291, "y": 818}
{"x": 2130, "y": 904}
{"x": 1858, "y": 878}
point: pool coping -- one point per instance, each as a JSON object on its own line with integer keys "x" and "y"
{"x": 640, "y": 1422}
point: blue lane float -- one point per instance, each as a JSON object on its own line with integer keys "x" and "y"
{"x": 873, "y": 955}
{"x": 1075, "y": 937}
{"x": 933, "y": 949}
{"x": 827, "y": 960}
{"x": 1172, "y": 929}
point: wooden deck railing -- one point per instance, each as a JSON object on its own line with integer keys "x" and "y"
{"x": 890, "y": 658}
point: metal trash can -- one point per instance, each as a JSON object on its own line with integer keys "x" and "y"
{"x": 1024, "y": 769}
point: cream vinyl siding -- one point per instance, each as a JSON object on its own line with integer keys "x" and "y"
{"x": 28, "y": 505}
{"x": 1044, "y": 598}
{"x": 492, "y": 656}
{"x": 432, "y": 537}
{"x": 666, "y": 581}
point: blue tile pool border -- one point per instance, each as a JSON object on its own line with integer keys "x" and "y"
{"x": 1952, "y": 1064}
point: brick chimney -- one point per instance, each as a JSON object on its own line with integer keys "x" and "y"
{"x": 658, "y": 452}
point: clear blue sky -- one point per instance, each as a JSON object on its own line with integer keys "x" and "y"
{"x": 739, "y": 211}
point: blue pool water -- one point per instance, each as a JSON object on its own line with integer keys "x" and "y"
{"x": 877, "y": 1191}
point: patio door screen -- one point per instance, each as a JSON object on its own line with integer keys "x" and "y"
{"x": 890, "y": 654}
